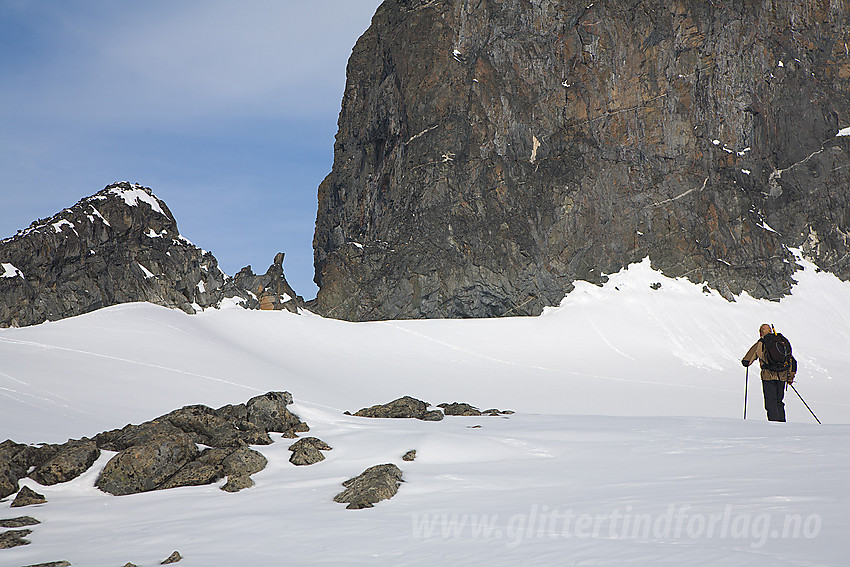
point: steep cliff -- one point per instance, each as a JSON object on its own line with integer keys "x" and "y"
{"x": 118, "y": 246}
{"x": 491, "y": 152}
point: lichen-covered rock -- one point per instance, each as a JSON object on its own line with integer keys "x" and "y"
{"x": 14, "y": 538}
{"x": 147, "y": 466}
{"x": 243, "y": 461}
{"x": 28, "y": 497}
{"x": 70, "y": 461}
{"x": 376, "y": 483}
{"x": 404, "y": 407}
{"x": 209, "y": 427}
{"x": 19, "y": 522}
{"x": 489, "y": 154}
{"x": 269, "y": 412}
{"x": 308, "y": 451}
{"x": 458, "y": 408}
{"x": 238, "y": 482}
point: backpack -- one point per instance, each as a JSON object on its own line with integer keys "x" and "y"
{"x": 777, "y": 351}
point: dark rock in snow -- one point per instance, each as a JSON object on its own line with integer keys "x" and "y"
{"x": 28, "y": 497}
{"x": 14, "y": 538}
{"x": 269, "y": 412}
{"x": 489, "y": 154}
{"x": 70, "y": 461}
{"x": 19, "y": 522}
{"x": 405, "y": 407}
{"x": 52, "y": 564}
{"x": 208, "y": 427}
{"x": 376, "y": 483}
{"x": 409, "y": 456}
{"x": 173, "y": 558}
{"x": 243, "y": 461}
{"x": 308, "y": 451}
{"x": 238, "y": 482}
{"x": 458, "y": 408}
{"x": 147, "y": 466}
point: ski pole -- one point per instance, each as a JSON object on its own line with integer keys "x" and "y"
{"x": 746, "y": 387}
{"x": 804, "y": 403}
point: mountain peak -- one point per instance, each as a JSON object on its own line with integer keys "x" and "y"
{"x": 119, "y": 245}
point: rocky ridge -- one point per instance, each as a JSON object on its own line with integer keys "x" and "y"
{"x": 121, "y": 245}
{"x": 491, "y": 153}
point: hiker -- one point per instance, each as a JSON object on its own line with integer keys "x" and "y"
{"x": 774, "y": 374}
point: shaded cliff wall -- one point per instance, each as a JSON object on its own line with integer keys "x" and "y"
{"x": 491, "y": 152}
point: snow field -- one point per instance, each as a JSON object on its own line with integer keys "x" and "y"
{"x": 627, "y": 448}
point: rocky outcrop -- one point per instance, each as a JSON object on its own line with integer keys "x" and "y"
{"x": 376, "y": 483}
{"x": 491, "y": 153}
{"x": 405, "y": 407}
{"x": 270, "y": 291}
{"x": 163, "y": 452}
{"x": 118, "y": 246}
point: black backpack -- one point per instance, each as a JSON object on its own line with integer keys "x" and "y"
{"x": 777, "y": 351}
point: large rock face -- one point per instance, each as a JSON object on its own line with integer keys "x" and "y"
{"x": 491, "y": 152}
{"x": 118, "y": 246}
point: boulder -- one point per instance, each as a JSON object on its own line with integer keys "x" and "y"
{"x": 458, "y": 408}
{"x": 18, "y": 522}
{"x": 173, "y": 558}
{"x": 70, "y": 461}
{"x": 147, "y": 466}
{"x": 376, "y": 483}
{"x": 238, "y": 482}
{"x": 14, "y": 463}
{"x": 269, "y": 412}
{"x": 14, "y": 538}
{"x": 243, "y": 461}
{"x": 28, "y": 497}
{"x": 405, "y": 407}
{"x": 308, "y": 451}
{"x": 409, "y": 456}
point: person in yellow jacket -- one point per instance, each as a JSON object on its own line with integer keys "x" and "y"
{"x": 773, "y": 382}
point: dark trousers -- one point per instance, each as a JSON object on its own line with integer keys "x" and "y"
{"x": 774, "y": 391}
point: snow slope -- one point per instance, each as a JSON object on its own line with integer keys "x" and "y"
{"x": 627, "y": 448}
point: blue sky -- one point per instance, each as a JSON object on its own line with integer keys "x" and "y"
{"x": 226, "y": 109}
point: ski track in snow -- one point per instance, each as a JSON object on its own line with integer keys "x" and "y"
{"x": 129, "y": 361}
